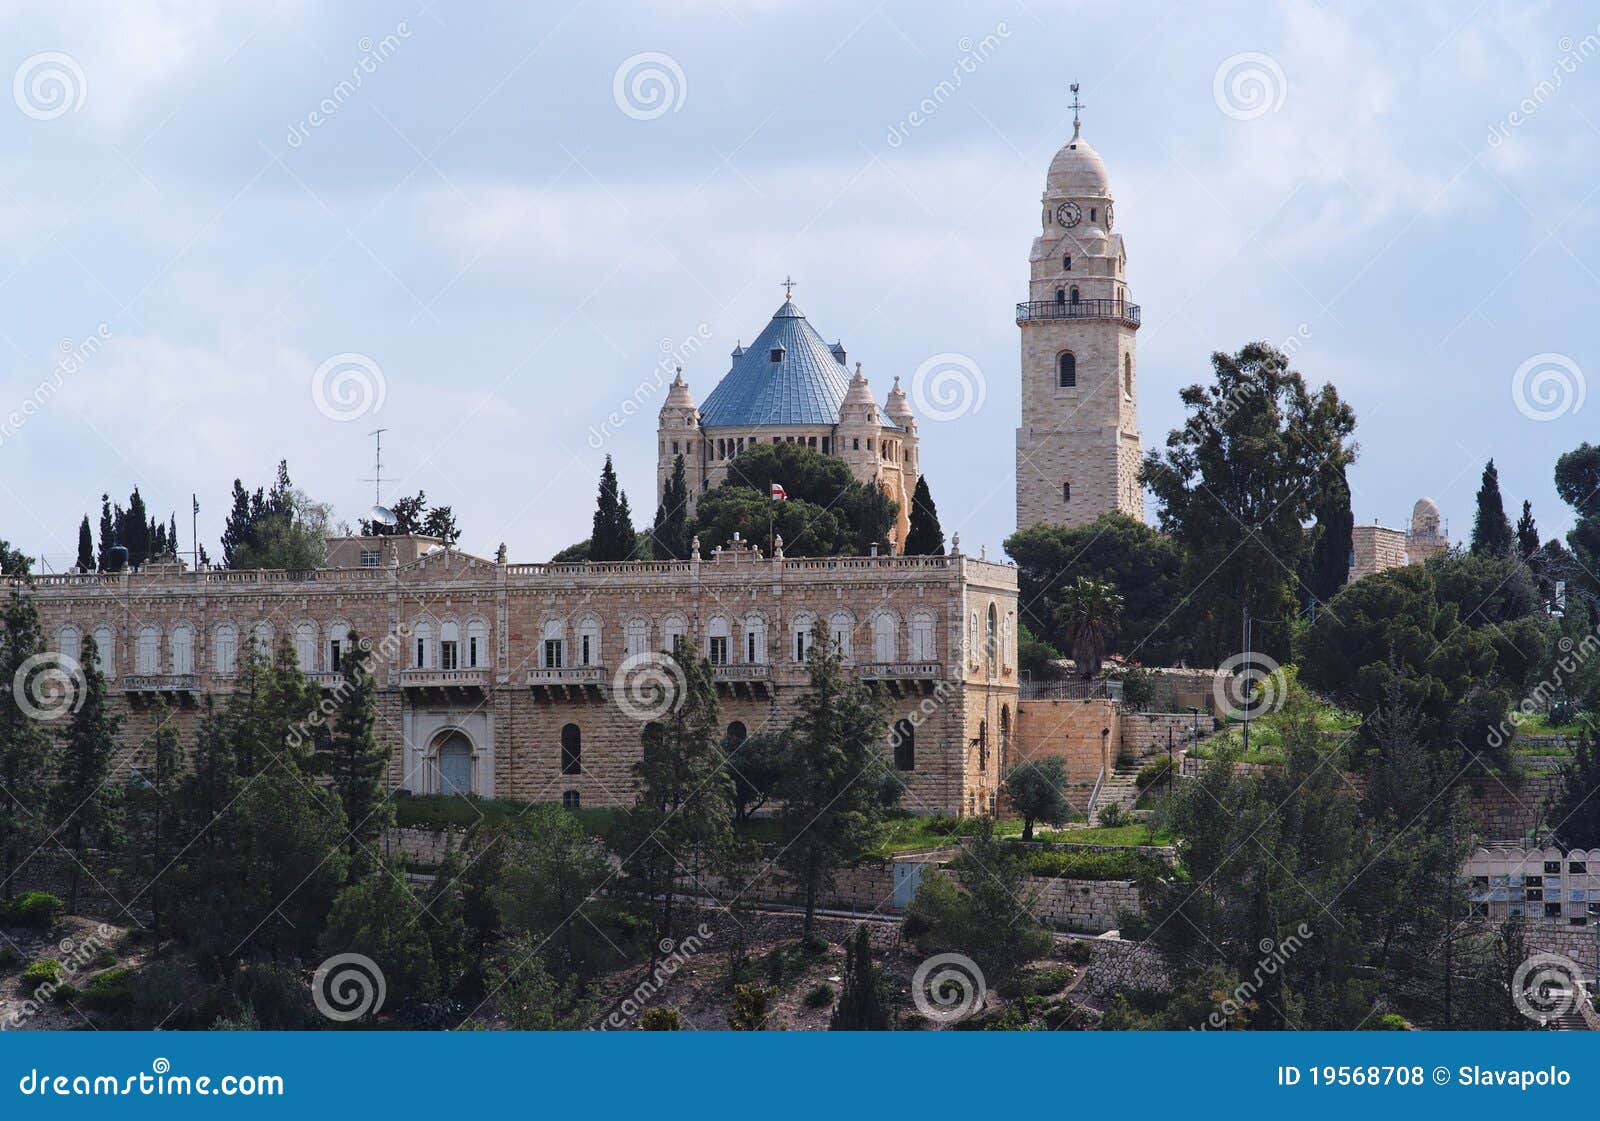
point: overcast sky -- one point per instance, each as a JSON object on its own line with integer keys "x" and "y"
{"x": 508, "y": 214}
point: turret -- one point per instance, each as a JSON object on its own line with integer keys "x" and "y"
{"x": 678, "y": 433}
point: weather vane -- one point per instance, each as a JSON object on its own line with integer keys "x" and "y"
{"x": 788, "y": 288}
{"x": 1076, "y": 105}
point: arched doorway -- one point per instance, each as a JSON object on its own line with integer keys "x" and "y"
{"x": 454, "y": 761}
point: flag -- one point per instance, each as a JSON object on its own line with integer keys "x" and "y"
{"x": 778, "y": 493}
{"x": 196, "y": 499}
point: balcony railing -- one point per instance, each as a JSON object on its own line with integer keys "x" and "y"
{"x": 443, "y": 678}
{"x": 161, "y": 683}
{"x": 1083, "y": 309}
{"x": 571, "y": 675}
{"x": 745, "y": 671}
{"x": 900, "y": 671}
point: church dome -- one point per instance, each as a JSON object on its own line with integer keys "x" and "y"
{"x": 1425, "y": 517}
{"x": 1077, "y": 171}
{"x": 787, "y": 376}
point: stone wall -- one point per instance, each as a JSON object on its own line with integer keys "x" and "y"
{"x": 1375, "y": 548}
{"x": 1148, "y": 733}
{"x": 1070, "y": 731}
{"x": 1086, "y": 906}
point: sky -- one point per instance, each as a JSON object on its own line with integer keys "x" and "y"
{"x": 233, "y": 234}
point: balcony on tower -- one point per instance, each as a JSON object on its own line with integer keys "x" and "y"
{"x": 1079, "y": 309}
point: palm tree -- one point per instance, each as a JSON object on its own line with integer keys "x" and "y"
{"x": 1090, "y": 611}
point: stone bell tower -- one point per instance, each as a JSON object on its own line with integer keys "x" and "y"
{"x": 1078, "y": 448}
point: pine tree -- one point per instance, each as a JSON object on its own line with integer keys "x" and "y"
{"x": 152, "y": 841}
{"x": 837, "y": 791}
{"x": 682, "y": 821}
{"x": 1491, "y": 529}
{"x": 24, "y": 744}
{"x": 355, "y": 760}
{"x": 863, "y": 1004}
{"x": 925, "y": 538}
{"x": 612, "y": 536}
{"x": 671, "y": 530}
{"x": 172, "y": 533}
{"x": 86, "y": 557}
{"x": 82, "y": 798}
{"x": 236, "y": 531}
{"x": 136, "y": 526}
{"x": 108, "y": 532}
{"x": 1527, "y": 533}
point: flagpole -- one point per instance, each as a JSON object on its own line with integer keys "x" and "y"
{"x": 194, "y": 529}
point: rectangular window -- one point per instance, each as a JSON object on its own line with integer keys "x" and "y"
{"x": 1578, "y": 866}
{"x": 422, "y": 653}
{"x": 674, "y": 447}
{"x": 472, "y": 652}
{"x": 335, "y": 652}
{"x": 750, "y": 647}
{"x": 825, "y": 446}
{"x": 369, "y": 558}
{"x": 552, "y": 653}
{"x": 447, "y": 655}
{"x": 1552, "y": 910}
{"x": 583, "y": 650}
{"x": 718, "y": 650}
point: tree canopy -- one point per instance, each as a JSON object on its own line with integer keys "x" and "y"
{"x": 828, "y": 513}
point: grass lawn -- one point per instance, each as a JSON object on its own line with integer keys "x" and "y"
{"x": 1138, "y": 833}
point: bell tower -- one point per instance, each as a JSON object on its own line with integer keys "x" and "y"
{"x": 1078, "y": 449}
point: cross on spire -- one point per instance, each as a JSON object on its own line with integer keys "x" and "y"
{"x": 788, "y": 288}
{"x": 1076, "y": 105}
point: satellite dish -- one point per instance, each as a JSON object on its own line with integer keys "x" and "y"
{"x": 382, "y": 515}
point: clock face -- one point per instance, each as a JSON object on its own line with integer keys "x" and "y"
{"x": 1068, "y": 214}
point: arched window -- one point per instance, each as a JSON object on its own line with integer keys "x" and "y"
{"x": 554, "y": 648}
{"x": 922, "y": 637}
{"x": 755, "y": 640}
{"x": 147, "y": 652}
{"x": 1067, "y": 370}
{"x": 801, "y": 629}
{"x": 884, "y": 638}
{"x": 1066, "y": 491}
{"x": 305, "y": 647}
{"x": 455, "y": 765}
{"x": 840, "y": 629}
{"x": 638, "y": 636}
{"x": 1005, "y": 639}
{"x": 589, "y": 641}
{"x": 338, "y": 646}
{"x": 1061, "y": 295}
{"x": 673, "y": 628}
{"x": 1127, "y": 374}
{"x": 734, "y": 737}
{"x": 449, "y": 645}
{"x": 225, "y": 649}
{"x": 972, "y": 638}
{"x": 263, "y": 637}
{"x": 1074, "y": 295}
{"x": 105, "y": 643}
{"x": 983, "y": 746}
{"x": 903, "y": 736}
{"x": 422, "y": 645}
{"x": 718, "y": 637}
{"x": 69, "y": 641}
{"x": 182, "y": 643}
{"x": 477, "y": 644}
{"x": 571, "y": 750}
{"x": 991, "y": 637}
{"x": 571, "y": 800}
{"x": 1066, "y": 263}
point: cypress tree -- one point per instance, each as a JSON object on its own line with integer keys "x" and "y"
{"x": 1327, "y": 566}
{"x": 862, "y": 1004}
{"x": 612, "y": 536}
{"x": 86, "y": 557}
{"x": 671, "y": 529}
{"x": 1527, "y": 533}
{"x": 136, "y": 527}
{"x": 1491, "y": 529}
{"x": 925, "y": 538}
{"x": 108, "y": 531}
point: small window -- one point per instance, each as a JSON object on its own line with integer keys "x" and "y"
{"x": 855, "y": 444}
{"x": 571, "y": 750}
{"x": 1552, "y": 910}
{"x": 448, "y": 655}
{"x": 1066, "y": 492}
{"x": 1127, "y": 374}
{"x": 335, "y": 654}
{"x": 1552, "y": 867}
{"x": 571, "y": 799}
{"x": 825, "y": 450}
{"x": 1061, "y": 295}
{"x": 1075, "y": 294}
{"x": 777, "y": 354}
{"x": 1578, "y": 866}
{"x": 1091, "y": 213}
{"x": 1066, "y": 263}
{"x": 1067, "y": 371}
{"x": 717, "y": 650}
{"x": 552, "y": 653}
{"x": 369, "y": 558}
{"x": 904, "y": 739}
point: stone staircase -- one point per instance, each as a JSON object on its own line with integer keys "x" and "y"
{"x": 1120, "y": 788}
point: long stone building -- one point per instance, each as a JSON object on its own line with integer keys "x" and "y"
{"x": 512, "y": 680}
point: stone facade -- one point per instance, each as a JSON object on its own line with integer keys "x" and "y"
{"x": 504, "y": 679}
{"x": 1078, "y": 448}
{"x": 1543, "y": 886}
{"x": 1375, "y": 548}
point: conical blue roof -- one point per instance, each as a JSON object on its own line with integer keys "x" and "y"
{"x": 805, "y": 385}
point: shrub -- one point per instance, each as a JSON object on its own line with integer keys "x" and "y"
{"x": 43, "y": 971}
{"x": 814, "y": 944}
{"x": 1153, "y": 772}
{"x": 819, "y": 996}
{"x": 660, "y": 1019}
{"x": 751, "y": 1007}
{"x": 111, "y": 989}
{"x": 1044, "y": 982}
{"x": 1114, "y": 817}
{"x": 1391, "y": 1022}
{"x": 35, "y": 909}
{"x": 1138, "y": 689}
{"x": 9, "y": 959}
{"x": 1077, "y": 950}
{"x": 276, "y": 994}
{"x": 1069, "y": 865}
{"x": 64, "y": 992}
